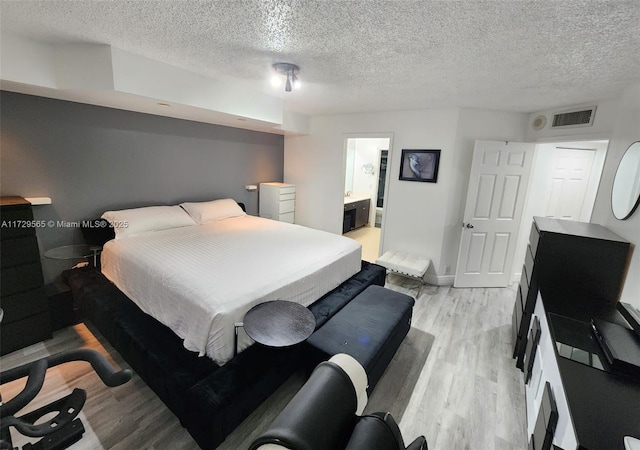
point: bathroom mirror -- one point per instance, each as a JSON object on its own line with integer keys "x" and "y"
{"x": 625, "y": 194}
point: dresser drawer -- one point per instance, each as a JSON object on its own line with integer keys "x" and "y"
{"x": 19, "y": 334}
{"x": 546, "y": 421}
{"x": 516, "y": 333}
{"x": 519, "y": 310}
{"x": 528, "y": 264}
{"x": 286, "y": 206}
{"x": 284, "y": 197}
{"x": 514, "y": 328}
{"x": 288, "y": 217}
{"x": 21, "y": 278}
{"x": 288, "y": 190}
{"x": 19, "y": 251}
{"x": 545, "y": 371}
{"x": 24, "y": 304}
{"x": 524, "y": 281}
{"x": 534, "y": 238}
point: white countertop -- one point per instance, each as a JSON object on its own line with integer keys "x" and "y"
{"x": 356, "y": 198}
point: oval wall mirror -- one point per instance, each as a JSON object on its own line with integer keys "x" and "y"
{"x": 625, "y": 194}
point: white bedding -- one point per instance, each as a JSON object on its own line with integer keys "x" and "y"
{"x": 199, "y": 280}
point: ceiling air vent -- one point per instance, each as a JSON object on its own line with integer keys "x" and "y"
{"x": 581, "y": 118}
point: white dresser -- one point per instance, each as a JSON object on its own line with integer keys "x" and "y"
{"x": 278, "y": 201}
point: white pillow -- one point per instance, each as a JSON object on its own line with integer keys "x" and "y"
{"x": 203, "y": 212}
{"x": 129, "y": 222}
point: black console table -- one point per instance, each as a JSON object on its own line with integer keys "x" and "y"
{"x": 277, "y": 323}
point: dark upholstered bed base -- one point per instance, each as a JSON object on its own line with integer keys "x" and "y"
{"x": 209, "y": 400}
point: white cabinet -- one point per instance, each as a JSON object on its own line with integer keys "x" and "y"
{"x": 278, "y": 201}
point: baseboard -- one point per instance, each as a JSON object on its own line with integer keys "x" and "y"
{"x": 447, "y": 280}
{"x": 515, "y": 277}
{"x": 439, "y": 280}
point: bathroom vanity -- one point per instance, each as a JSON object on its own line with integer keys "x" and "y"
{"x": 356, "y": 212}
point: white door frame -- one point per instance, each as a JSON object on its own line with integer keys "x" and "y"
{"x": 374, "y": 135}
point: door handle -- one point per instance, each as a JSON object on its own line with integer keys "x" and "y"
{"x": 468, "y": 225}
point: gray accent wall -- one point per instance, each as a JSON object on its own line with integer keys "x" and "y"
{"x": 90, "y": 159}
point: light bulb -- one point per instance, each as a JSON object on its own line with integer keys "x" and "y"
{"x": 296, "y": 82}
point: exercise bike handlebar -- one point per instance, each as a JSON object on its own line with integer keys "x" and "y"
{"x": 36, "y": 372}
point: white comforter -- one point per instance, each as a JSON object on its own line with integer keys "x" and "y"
{"x": 199, "y": 280}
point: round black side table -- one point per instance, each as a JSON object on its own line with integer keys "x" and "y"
{"x": 277, "y": 323}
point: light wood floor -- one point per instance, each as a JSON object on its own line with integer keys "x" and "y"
{"x": 467, "y": 393}
{"x": 369, "y": 238}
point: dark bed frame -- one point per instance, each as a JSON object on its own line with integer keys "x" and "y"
{"x": 209, "y": 400}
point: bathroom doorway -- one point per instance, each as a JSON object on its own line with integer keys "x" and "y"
{"x": 365, "y": 188}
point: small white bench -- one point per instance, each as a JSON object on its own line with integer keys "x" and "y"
{"x": 405, "y": 264}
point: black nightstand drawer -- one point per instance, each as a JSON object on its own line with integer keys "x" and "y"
{"x": 534, "y": 238}
{"x": 19, "y": 251}
{"x": 13, "y": 221}
{"x": 19, "y": 334}
{"x": 21, "y": 278}
{"x": 24, "y": 304}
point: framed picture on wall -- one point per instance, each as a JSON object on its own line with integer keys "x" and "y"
{"x": 420, "y": 165}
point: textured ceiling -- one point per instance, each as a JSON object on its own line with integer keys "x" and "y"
{"x": 370, "y": 55}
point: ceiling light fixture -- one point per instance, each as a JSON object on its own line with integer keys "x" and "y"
{"x": 288, "y": 72}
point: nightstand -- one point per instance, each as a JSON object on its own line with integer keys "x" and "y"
{"x": 77, "y": 252}
{"x": 278, "y": 201}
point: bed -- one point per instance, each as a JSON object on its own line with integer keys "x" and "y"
{"x": 210, "y": 398}
{"x": 199, "y": 280}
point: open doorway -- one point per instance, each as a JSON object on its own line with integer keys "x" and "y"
{"x": 565, "y": 179}
{"x": 365, "y": 188}
{"x": 560, "y": 180}
{"x": 564, "y": 183}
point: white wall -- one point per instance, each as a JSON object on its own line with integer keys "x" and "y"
{"x": 367, "y": 152}
{"x": 414, "y": 212}
{"x": 420, "y": 217}
{"x": 27, "y": 61}
{"x": 626, "y": 130}
{"x": 473, "y": 125}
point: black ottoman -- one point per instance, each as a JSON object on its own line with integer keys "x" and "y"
{"x": 370, "y": 328}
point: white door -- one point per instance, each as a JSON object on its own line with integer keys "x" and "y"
{"x": 495, "y": 200}
{"x": 567, "y": 184}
